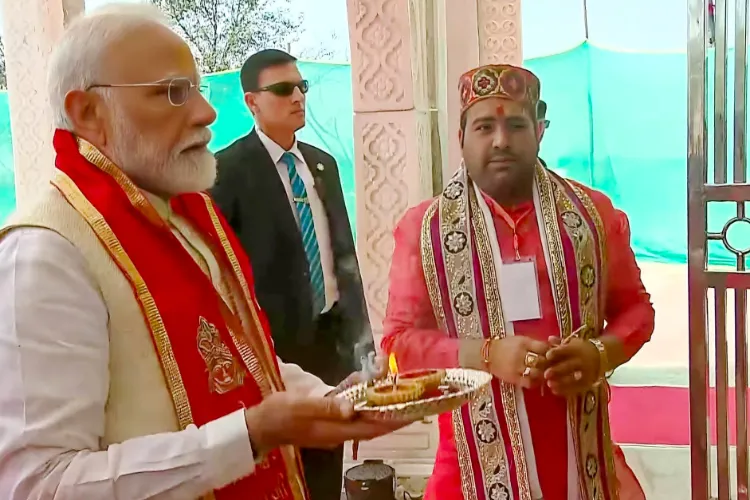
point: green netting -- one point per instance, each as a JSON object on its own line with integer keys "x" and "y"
{"x": 7, "y": 190}
{"x": 330, "y": 115}
{"x": 619, "y": 124}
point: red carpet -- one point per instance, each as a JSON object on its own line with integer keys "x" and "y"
{"x": 660, "y": 415}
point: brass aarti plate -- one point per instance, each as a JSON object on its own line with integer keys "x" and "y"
{"x": 458, "y": 387}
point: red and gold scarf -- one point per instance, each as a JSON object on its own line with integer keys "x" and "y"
{"x": 459, "y": 258}
{"x": 211, "y": 365}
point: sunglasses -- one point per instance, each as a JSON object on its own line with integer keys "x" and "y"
{"x": 285, "y": 89}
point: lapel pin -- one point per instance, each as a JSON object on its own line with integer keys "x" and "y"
{"x": 320, "y": 167}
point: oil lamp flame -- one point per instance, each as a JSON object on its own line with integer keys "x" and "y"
{"x": 392, "y": 365}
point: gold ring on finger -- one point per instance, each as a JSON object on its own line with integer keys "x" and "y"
{"x": 531, "y": 359}
{"x": 527, "y": 372}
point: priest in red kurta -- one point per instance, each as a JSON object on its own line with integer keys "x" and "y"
{"x": 529, "y": 276}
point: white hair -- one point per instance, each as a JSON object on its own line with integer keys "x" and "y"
{"x": 75, "y": 64}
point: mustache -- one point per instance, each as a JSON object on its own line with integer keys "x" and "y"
{"x": 201, "y": 138}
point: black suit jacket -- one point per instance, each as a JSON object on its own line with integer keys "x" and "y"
{"x": 252, "y": 197}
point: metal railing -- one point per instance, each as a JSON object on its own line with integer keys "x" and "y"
{"x": 707, "y": 31}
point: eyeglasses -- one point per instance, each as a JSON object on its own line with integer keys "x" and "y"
{"x": 546, "y": 124}
{"x": 285, "y": 89}
{"x": 178, "y": 89}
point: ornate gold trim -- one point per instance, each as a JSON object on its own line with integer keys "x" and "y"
{"x": 468, "y": 487}
{"x": 136, "y": 197}
{"x": 453, "y": 217}
{"x": 497, "y": 330}
{"x": 428, "y": 266}
{"x": 456, "y": 228}
{"x": 216, "y": 354}
{"x": 587, "y": 440}
{"x": 601, "y": 231}
{"x": 254, "y": 363}
{"x": 295, "y": 475}
{"x": 429, "y": 269}
{"x": 554, "y": 243}
{"x": 289, "y": 455}
{"x": 579, "y": 233}
{"x": 104, "y": 232}
{"x": 605, "y": 440}
{"x": 459, "y": 212}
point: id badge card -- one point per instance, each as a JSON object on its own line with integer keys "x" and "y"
{"x": 519, "y": 290}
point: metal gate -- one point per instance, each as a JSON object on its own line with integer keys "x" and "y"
{"x": 713, "y": 290}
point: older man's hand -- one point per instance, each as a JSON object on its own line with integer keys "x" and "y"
{"x": 284, "y": 418}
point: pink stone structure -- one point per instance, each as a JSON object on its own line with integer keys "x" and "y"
{"x": 30, "y": 30}
{"x": 407, "y": 56}
{"x": 404, "y": 52}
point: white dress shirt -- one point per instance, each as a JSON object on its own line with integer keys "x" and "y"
{"x": 320, "y": 219}
{"x": 54, "y": 350}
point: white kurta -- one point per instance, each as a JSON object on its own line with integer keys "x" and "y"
{"x": 56, "y": 395}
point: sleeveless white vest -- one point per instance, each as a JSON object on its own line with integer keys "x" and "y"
{"x": 139, "y": 402}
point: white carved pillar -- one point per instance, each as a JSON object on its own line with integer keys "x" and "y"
{"x": 500, "y": 32}
{"x": 393, "y": 161}
{"x": 407, "y": 56}
{"x": 473, "y": 33}
{"x": 30, "y": 30}
{"x": 392, "y": 131}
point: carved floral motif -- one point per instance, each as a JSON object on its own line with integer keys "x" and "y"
{"x": 383, "y": 200}
{"x": 389, "y": 74}
{"x": 380, "y": 35}
{"x": 500, "y": 31}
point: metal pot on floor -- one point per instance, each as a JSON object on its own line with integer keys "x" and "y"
{"x": 372, "y": 480}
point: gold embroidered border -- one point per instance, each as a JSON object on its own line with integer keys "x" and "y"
{"x": 458, "y": 266}
{"x": 602, "y": 395}
{"x": 461, "y": 293}
{"x": 134, "y": 194}
{"x": 295, "y": 476}
{"x": 294, "y": 473}
{"x": 256, "y": 364}
{"x": 606, "y": 444}
{"x": 106, "y": 235}
{"x": 497, "y": 330}
{"x": 433, "y": 286}
{"x": 588, "y": 204}
{"x": 428, "y": 265}
{"x": 75, "y": 197}
{"x": 555, "y": 250}
{"x": 579, "y": 233}
{"x": 586, "y": 436}
{"x": 550, "y": 194}
{"x": 235, "y": 323}
{"x": 455, "y": 240}
{"x": 468, "y": 486}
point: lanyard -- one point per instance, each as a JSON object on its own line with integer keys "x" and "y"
{"x": 513, "y": 225}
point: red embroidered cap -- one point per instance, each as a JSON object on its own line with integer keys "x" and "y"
{"x": 498, "y": 80}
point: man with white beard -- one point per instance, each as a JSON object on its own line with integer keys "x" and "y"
{"x": 135, "y": 362}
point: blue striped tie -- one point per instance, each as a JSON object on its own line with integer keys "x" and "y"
{"x": 307, "y": 228}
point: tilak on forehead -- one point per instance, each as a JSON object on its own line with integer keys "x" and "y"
{"x": 498, "y": 80}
